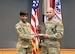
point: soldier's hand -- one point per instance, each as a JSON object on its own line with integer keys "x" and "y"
{"x": 45, "y": 36}
{"x": 36, "y": 35}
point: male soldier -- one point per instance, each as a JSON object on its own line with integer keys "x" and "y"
{"x": 24, "y": 35}
{"x": 54, "y": 32}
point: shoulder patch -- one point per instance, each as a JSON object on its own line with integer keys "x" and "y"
{"x": 20, "y": 29}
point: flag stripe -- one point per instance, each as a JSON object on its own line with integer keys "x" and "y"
{"x": 33, "y": 18}
{"x": 32, "y": 28}
{"x": 51, "y": 3}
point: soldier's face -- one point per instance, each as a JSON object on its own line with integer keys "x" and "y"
{"x": 50, "y": 13}
{"x": 24, "y": 18}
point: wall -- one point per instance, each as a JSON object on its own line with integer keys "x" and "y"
{"x": 9, "y": 16}
{"x": 68, "y": 14}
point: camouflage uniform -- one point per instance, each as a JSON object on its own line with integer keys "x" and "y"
{"x": 24, "y": 38}
{"x": 51, "y": 45}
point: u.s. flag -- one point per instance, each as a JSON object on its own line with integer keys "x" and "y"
{"x": 34, "y": 24}
{"x": 56, "y": 5}
{"x": 34, "y": 16}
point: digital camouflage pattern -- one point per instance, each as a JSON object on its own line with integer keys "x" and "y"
{"x": 55, "y": 30}
{"x": 24, "y": 45}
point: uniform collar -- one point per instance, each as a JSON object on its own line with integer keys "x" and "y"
{"x": 23, "y": 23}
{"x": 51, "y": 19}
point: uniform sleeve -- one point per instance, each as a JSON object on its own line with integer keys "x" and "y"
{"x": 22, "y": 34}
{"x": 59, "y": 32}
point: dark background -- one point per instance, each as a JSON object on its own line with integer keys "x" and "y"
{"x": 9, "y": 16}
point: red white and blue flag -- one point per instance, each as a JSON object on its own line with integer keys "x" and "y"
{"x": 56, "y": 5}
{"x": 34, "y": 24}
{"x": 57, "y": 10}
{"x": 34, "y": 16}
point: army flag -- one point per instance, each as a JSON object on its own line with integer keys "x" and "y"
{"x": 56, "y": 5}
{"x": 34, "y": 24}
{"x": 57, "y": 10}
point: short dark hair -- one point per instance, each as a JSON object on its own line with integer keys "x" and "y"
{"x": 23, "y": 12}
